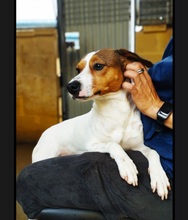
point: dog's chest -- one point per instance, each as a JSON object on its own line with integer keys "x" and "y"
{"x": 118, "y": 121}
{"x": 133, "y": 135}
{"x": 117, "y": 135}
{"x": 128, "y": 136}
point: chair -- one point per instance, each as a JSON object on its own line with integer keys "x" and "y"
{"x": 70, "y": 214}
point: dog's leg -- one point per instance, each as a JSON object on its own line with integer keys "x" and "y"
{"x": 159, "y": 180}
{"x": 126, "y": 166}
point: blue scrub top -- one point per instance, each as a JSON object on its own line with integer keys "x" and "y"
{"x": 157, "y": 136}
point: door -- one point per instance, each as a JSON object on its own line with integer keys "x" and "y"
{"x": 88, "y": 25}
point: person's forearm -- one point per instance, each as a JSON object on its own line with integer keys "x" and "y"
{"x": 152, "y": 113}
{"x": 169, "y": 121}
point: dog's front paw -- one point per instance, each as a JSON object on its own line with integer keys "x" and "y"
{"x": 128, "y": 171}
{"x": 160, "y": 183}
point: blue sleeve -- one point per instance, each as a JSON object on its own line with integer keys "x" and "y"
{"x": 158, "y": 136}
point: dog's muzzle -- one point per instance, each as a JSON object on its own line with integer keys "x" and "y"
{"x": 74, "y": 88}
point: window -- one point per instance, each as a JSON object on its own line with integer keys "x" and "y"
{"x": 153, "y": 12}
{"x": 36, "y": 13}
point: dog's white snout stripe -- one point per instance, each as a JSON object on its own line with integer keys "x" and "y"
{"x": 85, "y": 78}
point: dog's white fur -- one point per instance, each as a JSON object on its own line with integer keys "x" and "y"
{"x": 112, "y": 126}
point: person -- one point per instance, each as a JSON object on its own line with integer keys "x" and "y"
{"x": 91, "y": 180}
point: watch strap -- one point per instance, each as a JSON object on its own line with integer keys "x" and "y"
{"x": 164, "y": 112}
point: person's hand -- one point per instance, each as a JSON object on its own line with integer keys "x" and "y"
{"x": 142, "y": 89}
{"x": 143, "y": 92}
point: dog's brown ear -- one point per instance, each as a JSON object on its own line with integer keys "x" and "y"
{"x": 130, "y": 56}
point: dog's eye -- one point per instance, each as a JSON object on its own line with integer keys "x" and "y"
{"x": 78, "y": 70}
{"x": 98, "y": 66}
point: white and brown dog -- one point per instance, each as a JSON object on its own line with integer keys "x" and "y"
{"x": 113, "y": 124}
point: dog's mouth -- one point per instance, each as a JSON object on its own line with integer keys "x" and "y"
{"x": 86, "y": 97}
{"x": 80, "y": 97}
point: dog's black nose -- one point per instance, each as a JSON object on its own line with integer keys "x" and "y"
{"x": 74, "y": 88}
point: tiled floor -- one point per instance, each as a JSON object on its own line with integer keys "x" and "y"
{"x": 23, "y": 158}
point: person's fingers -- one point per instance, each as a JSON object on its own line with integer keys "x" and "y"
{"x": 127, "y": 85}
{"x": 135, "y": 78}
{"x": 132, "y": 72}
{"x": 135, "y": 66}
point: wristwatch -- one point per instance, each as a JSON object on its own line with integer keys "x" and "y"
{"x": 164, "y": 112}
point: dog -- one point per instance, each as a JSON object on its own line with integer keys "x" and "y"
{"x": 113, "y": 124}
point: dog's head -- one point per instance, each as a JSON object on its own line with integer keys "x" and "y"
{"x": 101, "y": 72}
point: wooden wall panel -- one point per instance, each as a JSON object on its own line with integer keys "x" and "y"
{"x": 152, "y": 40}
{"x": 37, "y": 84}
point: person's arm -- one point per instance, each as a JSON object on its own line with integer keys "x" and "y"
{"x": 143, "y": 92}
